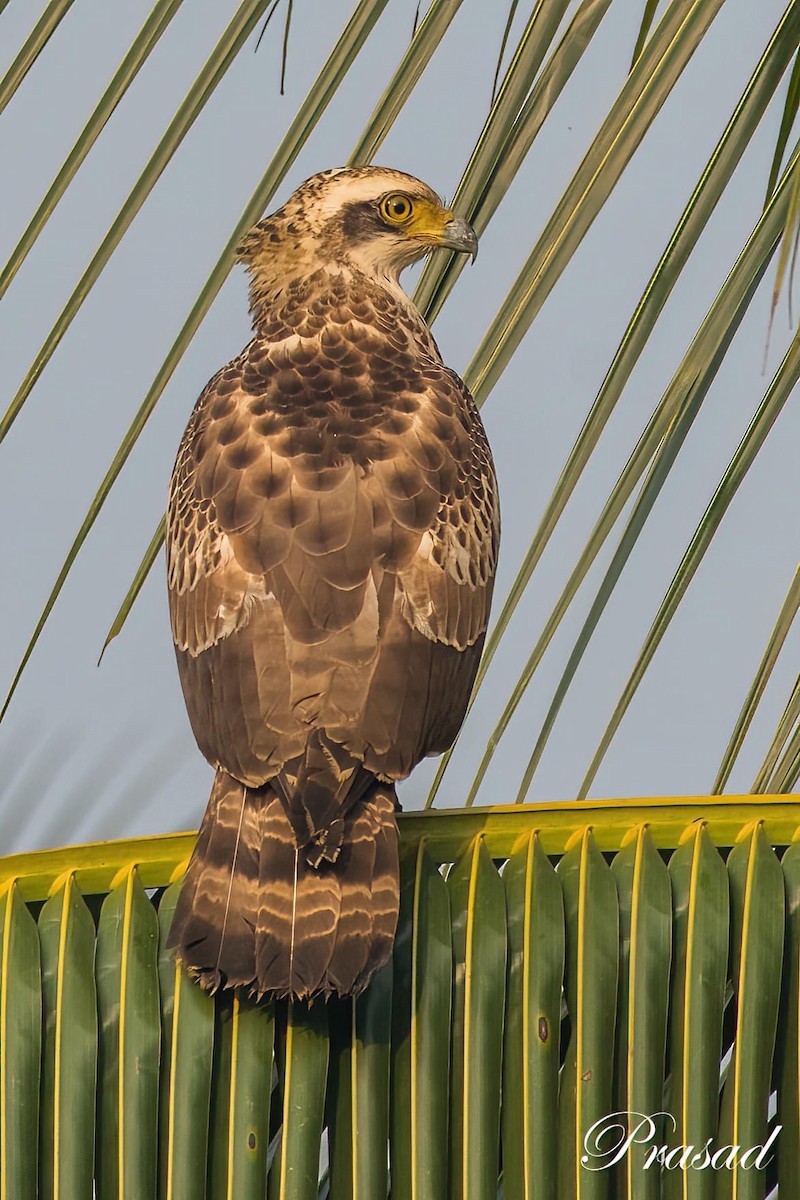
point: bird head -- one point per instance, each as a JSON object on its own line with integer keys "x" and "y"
{"x": 373, "y": 219}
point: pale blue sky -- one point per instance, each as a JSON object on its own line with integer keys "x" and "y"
{"x": 90, "y": 752}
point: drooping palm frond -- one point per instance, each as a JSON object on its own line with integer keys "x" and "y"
{"x": 727, "y": 154}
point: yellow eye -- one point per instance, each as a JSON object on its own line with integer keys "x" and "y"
{"x": 396, "y": 208}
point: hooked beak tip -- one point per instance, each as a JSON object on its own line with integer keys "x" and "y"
{"x": 460, "y": 236}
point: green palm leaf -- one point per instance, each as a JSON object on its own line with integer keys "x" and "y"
{"x": 756, "y": 434}
{"x": 35, "y": 43}
{"x": 718, "y": 172}
{"x": 319, "y": 96}
{"x": 145, "y": 41}
{"x": 221, "y": 57}
{"x": 660, "y": 442}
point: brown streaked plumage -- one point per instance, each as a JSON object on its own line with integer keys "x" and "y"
{"x": 332, "y": 536}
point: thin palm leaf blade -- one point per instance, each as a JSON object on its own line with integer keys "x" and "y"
{"x": 701, "y": 912}
{"x": 302, "y": 1054}
{"x": 130, "y": 1042}
{"x": 790, "y": 108}
{"x": 33, "y": 46}
{"x": 221, "y": 57}
{"x": 421, "y": 49}
{"x": 478, "y": 915}
{"x": 745, "y": 455}
{"x": 421, "y": 1008}
{"x": 716, "y": 175}
{"x": 743, "y": 123}
{"x": 187, "y": 1044}
{"x": 773, "y": 648}
{"x": 359, "y": 1086}
{"x": 770, "y": 768}
{"x": 592, "y": 959}
{"x": 488, "y": 177}
{"x": 787, "y": 770}
{"x": 787, "y": 1056}
{"x": 145, "y": 41}
{"x": 663, "y": 439}
{"x": 757, "y": 923}
{"x": 532, "y": 1024}
{"x": 20, "y": 1047}
{"x": 680, "y": 32}
{"x": 69, "y": 1053}
{"x": 648, "y": 16}
{"x": 537, "y": 36}
{"x": 315, "y": 103}
{"x": 137, "y": 583}
{"x": 645, "y": 904}
{"x": 221, "y": 1108}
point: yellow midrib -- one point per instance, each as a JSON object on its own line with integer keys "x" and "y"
{"x": 580, "y": 981}
{"x": 634, "y": 941}
{"x": 235, "y": 1015}
{"x": 287, "y": 1088}
{"x": 737, "y": 1066}
{"x": 526, "y": 1031}
{"x": 59, "y": 1031}
{"x": 123, "y": 997}
{"x": 687, "y": 1004}
{"x": 173, "y": 1067}
{"x": 354, "y": 1099}
{"x": 4, "y": 1044}
{"x": 468, "y": 957}
{"x": 413, "y": 1033}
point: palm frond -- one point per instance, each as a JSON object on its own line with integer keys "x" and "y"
{"x": 719, "y": 169}
{"x": 212, "y": 72}
{"x": 659, "y": 442}
{"x": 33, "y": 46}
{"x": 756, "y": 434}
{"x": 427, "y": 36}
{"x": 648, "y": 16}
{"x": 528, "y": 57}
{"x": 790, "y": 108}
{"x": 676, "y": 414}
{"x": 780, "y": 631}
{"x": 647, "y": 87}
{"x": 486, "y": 180}
{"x": 145, "y": 41}
{"x": 315, "y": 103}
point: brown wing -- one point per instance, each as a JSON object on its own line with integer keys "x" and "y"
{"x": 332, "y": 534}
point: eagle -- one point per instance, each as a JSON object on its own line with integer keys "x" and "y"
{"x": 332, "y": 535}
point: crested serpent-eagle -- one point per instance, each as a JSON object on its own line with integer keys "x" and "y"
{"x": 332, "y": 536}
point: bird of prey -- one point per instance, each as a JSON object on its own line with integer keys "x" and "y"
{"x": 332, "y": 535}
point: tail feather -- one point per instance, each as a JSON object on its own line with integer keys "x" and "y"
{"x": 216, "y": 911}
{"x": 254, "y": 912}
{"x": 355, "y": 866}
{"x": 297, "y": 915}
{"x": 385, "y": 894}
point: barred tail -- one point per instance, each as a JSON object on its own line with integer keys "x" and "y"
{"x": 253, "y": 912}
